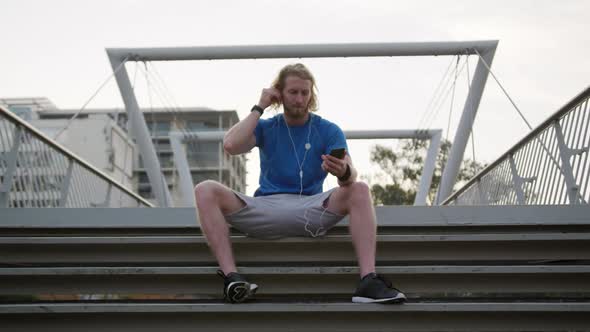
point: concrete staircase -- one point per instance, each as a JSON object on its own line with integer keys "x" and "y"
{"x": 506, "y": 268}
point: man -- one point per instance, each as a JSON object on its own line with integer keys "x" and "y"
{"x": 295, "y": 159}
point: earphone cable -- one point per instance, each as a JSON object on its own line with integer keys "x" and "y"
{"x": 307, "y": 148}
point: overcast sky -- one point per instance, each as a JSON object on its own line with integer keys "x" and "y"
{"x": 56, "y": 49}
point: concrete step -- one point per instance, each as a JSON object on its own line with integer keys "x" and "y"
{"x": 187, "y": 239}
{"x": 316, "y": 316}
{"x": 277, "y": 280}
{"x": 399, "y": 216}
{"x": 422, "y": 245}
{"x": 448, "y": 296}
{"x": 506, "y": 268}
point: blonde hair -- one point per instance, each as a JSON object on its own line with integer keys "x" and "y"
{"x": 299, "y": 70}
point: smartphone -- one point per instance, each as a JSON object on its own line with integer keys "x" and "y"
{"x": 338, "y": 153}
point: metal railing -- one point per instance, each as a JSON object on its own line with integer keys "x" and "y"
{"x": 36, "y": 172}
{"x": 177, "y": 139}
{"x": 549, "y": 166}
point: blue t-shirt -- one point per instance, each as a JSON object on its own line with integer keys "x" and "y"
{"x": 279, "y": 170}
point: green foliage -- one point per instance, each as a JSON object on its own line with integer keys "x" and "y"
{"x": 402, "y": 169}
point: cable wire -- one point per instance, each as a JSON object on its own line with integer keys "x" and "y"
{"x": 452, "y": 100}
{"x": 433, "y": 118}
{"x": 160, "y": 92}
{"x": 434, "y": 95}
{"x": 119, "y": 67}
{"x": 504, "y": 90}
{"x": 167, "y": 97}
{"x": 153, "y": 132}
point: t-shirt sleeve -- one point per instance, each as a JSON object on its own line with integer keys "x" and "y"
{"x": 337, "y": 140}
{"x": 258, "y": 132}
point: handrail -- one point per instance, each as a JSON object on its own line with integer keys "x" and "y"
{"x": 533, "y": 135}
{"x": 433, "y": 135}
{"x": 71, "y": 155}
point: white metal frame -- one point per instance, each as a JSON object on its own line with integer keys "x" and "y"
{"x": 139, "y": 129}
{"x": 186, "y": 185}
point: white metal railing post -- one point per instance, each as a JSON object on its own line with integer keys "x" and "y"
{"x": 565, "y": 153}
{"x": 10, "y": 160}
{"x": 30, "y": 186}
{"x": 107, "y": 198}
{"x": 517, "y": 182}
{"x": 428, "y": 171}
{"x": 182, "y": 166}
{"x": 483, "y": 195}
{"x": 65, "y": 185}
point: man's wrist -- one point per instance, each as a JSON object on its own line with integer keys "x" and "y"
{"x": 258, "y": 109}
{"x": 347, "y": 182}
{"x": 346, "y": 174}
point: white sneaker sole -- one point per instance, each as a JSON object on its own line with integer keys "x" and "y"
{"x": 399, "y": 298}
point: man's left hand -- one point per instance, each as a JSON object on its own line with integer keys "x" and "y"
{"x": 333, "y": 165}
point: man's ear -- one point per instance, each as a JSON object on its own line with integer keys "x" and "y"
{"x": 278, "y": 102}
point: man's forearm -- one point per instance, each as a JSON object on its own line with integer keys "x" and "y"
{"x": 241, "y": 131}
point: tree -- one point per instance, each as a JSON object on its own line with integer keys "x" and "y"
{"x": 401, "y": 170}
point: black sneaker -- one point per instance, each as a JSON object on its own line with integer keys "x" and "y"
{"x": 374, "y": 288}
{"x": 236, "y": 288}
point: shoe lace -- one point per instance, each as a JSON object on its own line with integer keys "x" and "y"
{"x": 221, "y": 274}
{"x": 385, "y": 281}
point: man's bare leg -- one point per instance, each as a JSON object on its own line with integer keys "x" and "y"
{"x": 214, "y": 200}
{"x": 355, "y": 200}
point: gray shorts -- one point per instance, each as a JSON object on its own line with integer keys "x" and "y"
{"x": 284, "y": 215}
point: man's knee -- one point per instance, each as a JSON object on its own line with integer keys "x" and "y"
{"x": 206, "y": 190}
{"x": 359, "y": 191}
{"x": 211, "y": 193}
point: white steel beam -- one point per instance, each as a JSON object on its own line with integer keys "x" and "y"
{"x": 428, "y": 171}
{"x": 184, "y": 173}
{"x": 463, "y": 132}
{"x": 141, "y": 134}
{"x": 302, "y": 51}
{"x": 486, "y": 48}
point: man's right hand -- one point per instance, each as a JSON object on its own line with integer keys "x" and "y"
{"x": 269, "y": 96}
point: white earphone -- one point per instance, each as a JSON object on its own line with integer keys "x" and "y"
{"x": 307, "y": 148}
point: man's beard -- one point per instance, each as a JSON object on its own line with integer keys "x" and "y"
{"x": 298, "y": 113}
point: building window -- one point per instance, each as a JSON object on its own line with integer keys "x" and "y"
{"x": 202, "y": 176}
{"x": 194, "y": 125}
{"x": 25, "y": 113}
{"x": 159, "y": 128}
